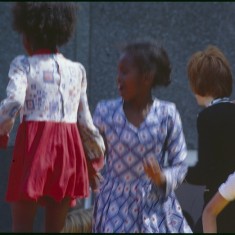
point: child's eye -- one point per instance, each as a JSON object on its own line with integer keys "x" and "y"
{"x": 124, "y": 71}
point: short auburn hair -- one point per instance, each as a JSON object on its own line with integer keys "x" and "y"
{"x": 209, "y": 73}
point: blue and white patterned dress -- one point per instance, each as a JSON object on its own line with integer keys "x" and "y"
{"x": 128, "y": 200}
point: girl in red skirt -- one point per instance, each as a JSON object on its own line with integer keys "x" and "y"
{"x": 50, "y": 161}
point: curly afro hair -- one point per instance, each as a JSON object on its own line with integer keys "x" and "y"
{"x": 45, "y": 24}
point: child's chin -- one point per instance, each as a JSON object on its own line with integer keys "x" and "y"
{"x": 122, "y": 94}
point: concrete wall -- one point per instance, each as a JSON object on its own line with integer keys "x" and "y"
{"x": 182, "y": 27}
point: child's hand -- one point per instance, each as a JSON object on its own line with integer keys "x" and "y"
{"x": 95, "y": 181}
{"x": 4, "y": 141}
{"x": 153, "y": 171}
{"x": 6, "y": 127}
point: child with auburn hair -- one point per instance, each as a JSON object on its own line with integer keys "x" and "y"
{"x": 138, "y": 190}
{"x": 210, "y": 79}
{"x": 49, "y": 165}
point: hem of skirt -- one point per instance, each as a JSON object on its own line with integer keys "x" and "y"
{"x": 40, "y": 198}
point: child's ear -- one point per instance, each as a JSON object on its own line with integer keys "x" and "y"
{"x": 149, "y": 78}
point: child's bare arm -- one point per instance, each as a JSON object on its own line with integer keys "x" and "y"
{"x": 211, "y": 211}
{"x": 6, "y": 126}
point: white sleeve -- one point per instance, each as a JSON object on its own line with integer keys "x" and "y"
{"x": 227, "y": 189}
{"x": 177, "y": 151}
{"x": 16, "y": 89}
{"x": 92, "y": 140}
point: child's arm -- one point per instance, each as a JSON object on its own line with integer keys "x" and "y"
{"x": 175, "y": 145}
{"x": 16, "y": 90}
{"x": 225, "y": 194}
{"x": 169, "y": 177}
{"x": 211, "y": 211}
{"x": 92, "y": 140}
{"x": 5, "y": 129}
{"x": 153, "y": 170}
{"x": 6, "y": 126}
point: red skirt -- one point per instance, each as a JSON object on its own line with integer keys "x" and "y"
{"x": 48, "y": 160}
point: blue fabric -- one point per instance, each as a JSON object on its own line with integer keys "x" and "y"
{"x": 128, "y": 200}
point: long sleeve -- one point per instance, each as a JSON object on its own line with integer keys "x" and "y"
{"x": 16, "y": 90}
{"x": 177, "y": 152}
{"x": 100, "y": 110}
{"x": 199, "y": 174}
{"x": 92, "y": 140}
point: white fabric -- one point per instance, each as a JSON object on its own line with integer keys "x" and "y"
{"x": 49, "y": 87}
{"x": 227, "y": 189}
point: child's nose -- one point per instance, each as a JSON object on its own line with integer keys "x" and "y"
{"x": 120, "y": 77}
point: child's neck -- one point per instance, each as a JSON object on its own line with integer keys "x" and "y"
{"x": 136, "y": 111}
{"x": 140, "y": 104}
{"x": 43, "y": 51}
{"x": 208, "y": 100}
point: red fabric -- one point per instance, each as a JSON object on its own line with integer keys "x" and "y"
{"x": 44, "y": 51}
{"x": 48, "y": 160}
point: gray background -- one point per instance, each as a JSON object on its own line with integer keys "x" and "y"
{"x": 182, "y": 27}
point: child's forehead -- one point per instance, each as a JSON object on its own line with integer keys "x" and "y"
{"x": 126, "y": 58}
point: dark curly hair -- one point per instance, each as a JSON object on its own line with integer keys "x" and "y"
{"x": 149, "y": 56}
{"x": 45, "y": 24}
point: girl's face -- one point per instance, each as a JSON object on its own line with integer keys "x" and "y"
{"x": 129, "y": 80}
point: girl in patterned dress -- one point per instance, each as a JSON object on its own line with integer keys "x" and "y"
{"x": 146, "y": 149}
{"x": 50, "y": 161}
